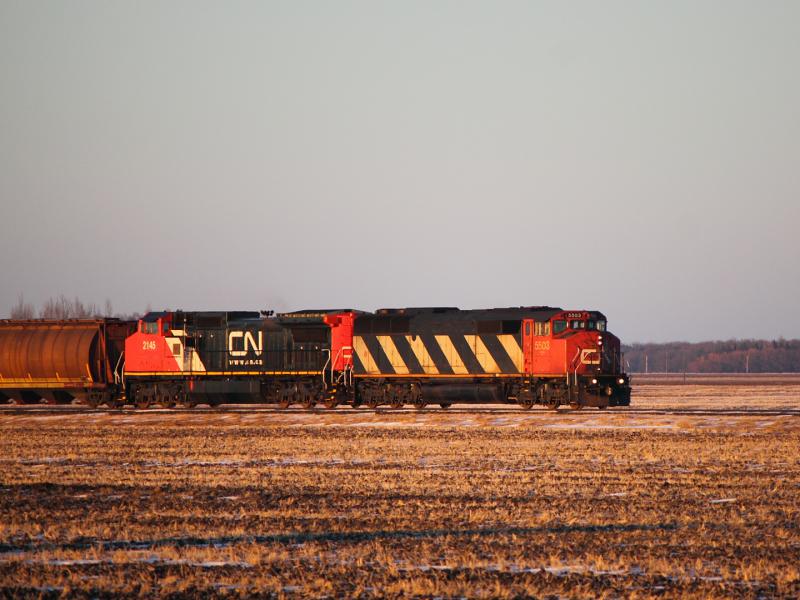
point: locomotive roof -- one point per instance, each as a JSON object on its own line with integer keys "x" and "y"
{"x": 447, "y": 312}
{"x": 220, "y": 315}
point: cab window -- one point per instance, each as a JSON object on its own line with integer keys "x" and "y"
{"x": 559, "y": 325}
{"x": 591, "y": 325}
{"x": 601, "y": 326}
{"x": 577, "y": 324}
{"x": 541, "y": 328}
{"x": 150, "y": 327}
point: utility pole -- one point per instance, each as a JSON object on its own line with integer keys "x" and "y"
{"x": 645, "y": 363}
{"x": 747, "y": 362}
{"x": 666, "y": 362}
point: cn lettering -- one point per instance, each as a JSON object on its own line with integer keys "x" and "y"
{"x": 248, "y": 343}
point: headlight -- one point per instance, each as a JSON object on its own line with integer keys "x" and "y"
{"x": 594, "y": 381}
{"x": 620, "y": 380}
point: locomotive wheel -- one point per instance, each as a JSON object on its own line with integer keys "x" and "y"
{"x": 331, "y": 403}
{"x": 553, "y": 405}
{"x": 397, "y": 404}
{"x": 602, "y": 407}
{"x": 188, "y": 402}
{"x": 142, "y": 404}
{"x": 285, "y": 403}
{"x": 445, "y": 405}
{"x": 308, "y": 401}
{"x": 575, "y": 406}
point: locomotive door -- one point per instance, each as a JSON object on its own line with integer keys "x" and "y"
{"x": 527, "y": 344}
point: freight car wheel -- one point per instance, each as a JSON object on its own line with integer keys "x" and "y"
{"x": 575, "y": 405}
{"x": 553, "y": 405}
{"x": 445, "y": 405}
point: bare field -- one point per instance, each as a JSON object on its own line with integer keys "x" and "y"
{"x": 692, "y": 492}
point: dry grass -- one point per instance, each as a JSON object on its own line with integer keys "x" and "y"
{"x": 690, "y": 493}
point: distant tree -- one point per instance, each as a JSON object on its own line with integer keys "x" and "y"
{"x": 61, "y": 307}
{"x": 22, "y": 309}
{"x": 731, "y": 356}
{"x": 64, "y": 308}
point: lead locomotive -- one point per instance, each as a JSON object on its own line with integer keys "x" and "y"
{"x": 395, "y": 357}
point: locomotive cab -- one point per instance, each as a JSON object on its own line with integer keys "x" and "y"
{"x": 593, "y": 358}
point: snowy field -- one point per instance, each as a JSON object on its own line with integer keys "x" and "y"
{"x": 694, "y": 490}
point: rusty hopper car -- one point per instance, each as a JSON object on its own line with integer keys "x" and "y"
{"x": 61, "y": 361}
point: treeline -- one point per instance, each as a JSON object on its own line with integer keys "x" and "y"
{"x": 62, "y": 307}
{"x": 733, "y": 356}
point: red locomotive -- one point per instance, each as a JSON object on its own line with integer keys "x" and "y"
{"x": 394, "y": 357}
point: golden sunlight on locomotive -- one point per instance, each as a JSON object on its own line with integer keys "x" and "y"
{"x": 392, "y": 357}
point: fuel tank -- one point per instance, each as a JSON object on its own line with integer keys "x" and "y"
{"x": 464, "y": 393}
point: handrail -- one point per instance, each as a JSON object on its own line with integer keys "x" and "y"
{"x": 117, "y": 377}
{"x": 574, "y": 362}
{"x": 325, "y": 367}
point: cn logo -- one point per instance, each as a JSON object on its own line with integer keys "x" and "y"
{"x": 590, "y": 357}
{"x": 248, "y": 342}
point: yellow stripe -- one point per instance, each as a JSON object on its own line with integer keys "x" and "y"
{"x": 9, "y": 384}
{"x": 512, "y": 346}
{"x": 217, "y": 373}
{"x": 360, "y": 348}
{"x": 421, "y": 352}
{"x": 482, "y": 354}
{"x": 397, "y": 362}
{"x": 451, "y": 354}
{"x": 447, "y": 375}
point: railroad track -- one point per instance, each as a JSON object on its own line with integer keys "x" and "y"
{"x": 344, "y": 410}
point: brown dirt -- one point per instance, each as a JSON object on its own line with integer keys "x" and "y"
{"x": 692, "y": 492}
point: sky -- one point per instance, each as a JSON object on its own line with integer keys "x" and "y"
{"x": 637, "y": 158}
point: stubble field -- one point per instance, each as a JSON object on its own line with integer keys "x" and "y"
{"x": 694, "y": 491}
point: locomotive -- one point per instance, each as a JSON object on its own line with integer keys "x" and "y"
{"x": 395, "y": 357}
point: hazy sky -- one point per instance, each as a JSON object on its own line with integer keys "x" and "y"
{"x": 642, "y": 159}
